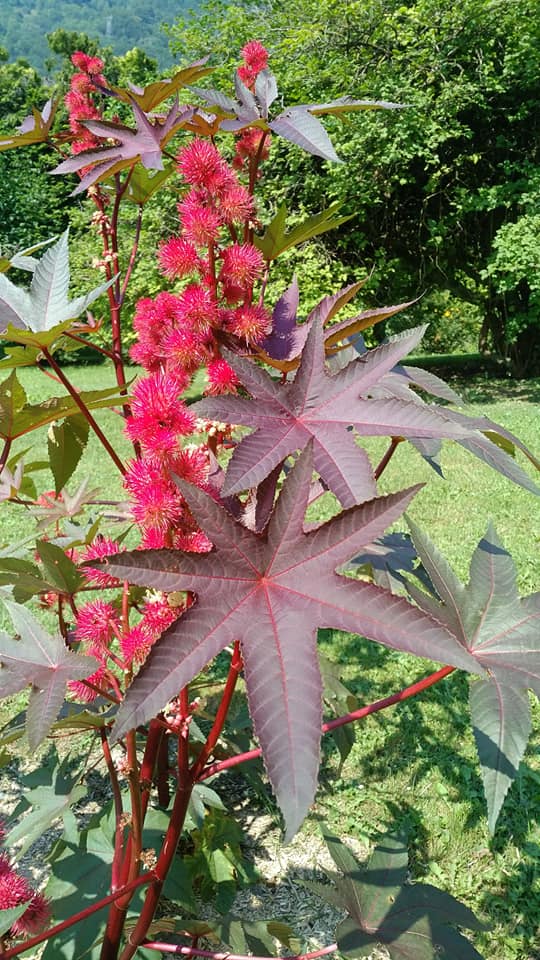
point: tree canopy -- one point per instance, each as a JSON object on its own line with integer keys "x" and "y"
{"x": 435, "y": 186}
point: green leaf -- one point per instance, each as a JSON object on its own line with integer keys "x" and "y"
{"x": 9, "y": 916}
{"x": 155, "y": 93}
{"x": 80, "y": 875}
{"x": 500, "y": 630}
{"x": 412, "y": 921}
{"x": 501, "y": 718}
{"x": 275, "y": 240}
{"x": 65, "y": 443}
{"x": 17, "y": 419}
{"x": 48, "y": 802}
{"x": 34, "y": 128}
{"x": 62, "y": 573}
{"x": 39, "y": 315}
{"x": 143, "y": 184}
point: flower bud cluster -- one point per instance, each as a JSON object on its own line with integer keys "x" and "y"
{"x": 16, "y": 890}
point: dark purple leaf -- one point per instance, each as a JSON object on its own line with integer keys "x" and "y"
{"x": 45, "y": 663}
{"x": 319, "y": 407}
{"x": 502, "y": 632}
{"x": 501, "y": 718}
{"x": 412, "y": 921}
{"x": 299, "y": 126}
{"x": 144, "y": 144}
{"x": 287, "y": 338}
{"x": 272, "y": 592}
{"x": 266, "y": 90}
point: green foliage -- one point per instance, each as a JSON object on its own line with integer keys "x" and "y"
{"x": 432, "y": 186}
{"x": 26, "y": 24}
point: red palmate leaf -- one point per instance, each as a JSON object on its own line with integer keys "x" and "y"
{"x": 322, "y": 407}
{"x": 502, "y": 632}
{"x": 45, "y": 663}
{"x": 272, "y": 592}
{"x": 144, "y": 144}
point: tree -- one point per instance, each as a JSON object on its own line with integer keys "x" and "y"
{"x": 431, "y": 187}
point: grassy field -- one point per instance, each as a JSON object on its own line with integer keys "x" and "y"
{"x": 416, "y": 764}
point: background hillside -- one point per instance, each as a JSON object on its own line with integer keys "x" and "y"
{"x": 25, "y": 24}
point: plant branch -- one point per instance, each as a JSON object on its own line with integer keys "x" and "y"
{"x": 84, "y": 410}
{"x": 195, "y": 952}
{"x": 5, "y": 452}
{"x": 132, "y": 256}
{"x": 78, "y": 917}
{"x": 118, "y": 810}
{"x": 172, "y": 837}
{"x": 394, "y": 443}
{"x": 221, "y": 715}
{"x": 359, "y": 714}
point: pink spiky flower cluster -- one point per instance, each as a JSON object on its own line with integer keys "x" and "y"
{"x": 16, "y": 890}
{"x": 79, "y": 100}
{"x": 255, "y": 59}
{"x": 97, "y": 625}
{"x": 216, "y": 270}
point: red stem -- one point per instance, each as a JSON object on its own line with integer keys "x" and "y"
{"x": 339, "y": 721}
{"x": 78, "y": 917}
{"x": 195, "y": 952}
{"x": 118, "y": 811}
{"x": 132, "y": 257}
{"x": 84, "y": 410}
{"x": 5, "y": 452}
{"x": 172, "y": 837}
{"x": 395, "y": 441}
{"x": 221, "y": 715}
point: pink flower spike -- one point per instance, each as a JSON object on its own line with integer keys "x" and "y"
{"x": 95, "y": 624}
{"x": 83, "y": 693}
{"x": 221, "y": 377}
{"x": 255, "y": 56}
{"x": 186, "y": 349}
{"x": 197, "y": 308}
{"x": 100, "y": 548}
{"x": 157, "y": 502}
{"x": 14, "y": 889}
{"x": 202, "y": 165}
{"x": 250, "y": 323}
{"x": 201, "y": 225}
{"x": 236, "y": 204}
{"x": 34, "y": 918}
{"x": 136, "y": 645}
{"x": 243, "y": 264}
{"x": 178, "y": 258}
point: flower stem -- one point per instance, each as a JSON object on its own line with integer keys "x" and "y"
{"x": 84, "y": 410}
{"x": 221, "y": 715}
{"x": 339, "y": 721}
{"x": 195, "y": 952}
{"x": 395, "y": 441}
{"x": 78, "y": 917}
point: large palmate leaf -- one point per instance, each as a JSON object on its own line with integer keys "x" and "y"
{"x": 148, "y": 98}
{"x": 272, "y": 592}
{"x": 44, "y": 662}
{"x": 34, "y": 129}
{"x": 502, "y": 632}
{"x": 412, "y": 921}
{"x": 145, "y": 144}
{"x": 488, "y": 441}
{"x": 321, "y": 407}
{"x": 45, "y": 306}
{"x": 44, "y": 803}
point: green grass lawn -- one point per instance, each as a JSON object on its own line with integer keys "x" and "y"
{"x": 415, "y": 764}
